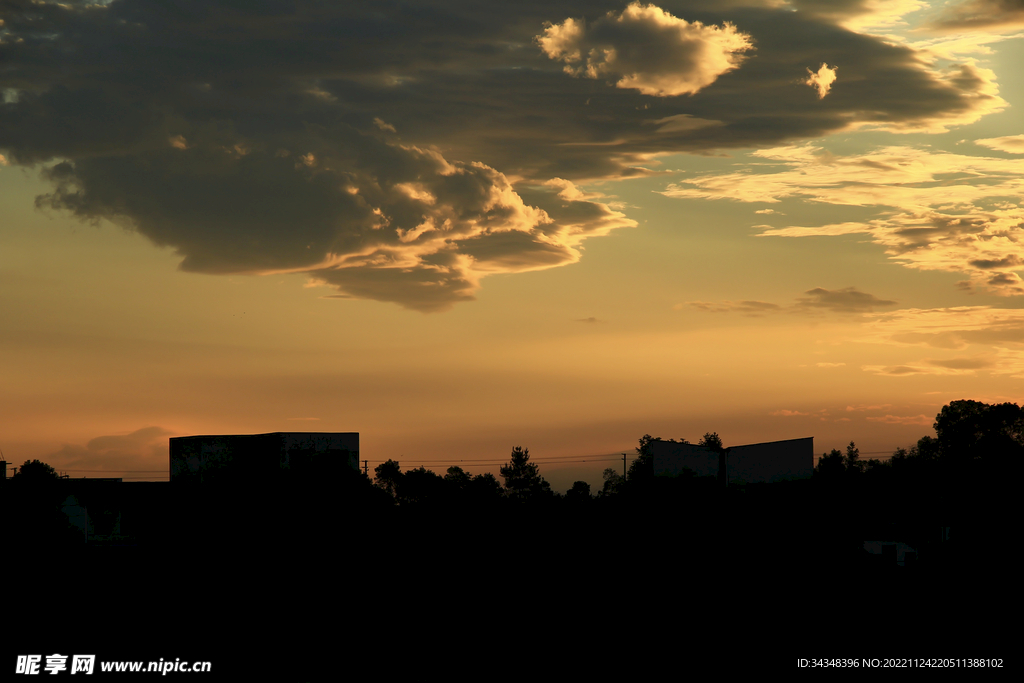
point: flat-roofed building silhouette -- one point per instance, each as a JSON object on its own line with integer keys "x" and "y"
{"x": 754, "y": 463}
{"x": 247, "y": 457}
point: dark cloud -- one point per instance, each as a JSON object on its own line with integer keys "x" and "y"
{"x": 750, "y": 308}
{"x": 847, "y": 300}
{"x": 1007, "y": 281}
{"x": 1010, "y": 261}
{"x": 399, "y": 150}
{"x": 900, "y": 370}
{"x": 981, "y": 14}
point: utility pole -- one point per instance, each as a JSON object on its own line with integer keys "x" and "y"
{"x": 623, "y": 466}
{"x": 366, "y": 468}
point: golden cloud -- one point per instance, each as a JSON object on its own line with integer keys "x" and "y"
{"x": 647, "y": 49}
{"x": 947, "y": 211}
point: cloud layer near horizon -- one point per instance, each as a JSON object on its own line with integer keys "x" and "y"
{"x": 403, "y": 151}
{"x": 142, "y": 454}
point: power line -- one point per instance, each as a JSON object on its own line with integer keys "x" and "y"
{"x": 492, "y": 460}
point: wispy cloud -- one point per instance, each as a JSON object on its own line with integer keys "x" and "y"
{"x": 902, "y": 420}
{"x": 986, "y": 339}
{"x": 990, "y": 15}
{"x": 751, "y": 308}
{"x": 845, "y": 300}
{"x": 948, "y": 211}
{"x": 863, "y": 407}
{"x": 1014, "y": 144}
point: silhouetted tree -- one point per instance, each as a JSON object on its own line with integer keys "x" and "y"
{"x": 711, "y": 440}
{"x": 830, "y": 465}
{"x": 522, "y": 477}
{"x": 388, "y": 476}
{"x": 484, "y": 489}
{"x": 420, "y": 486}
{"x": 36, "y": 470}
{"x": 456, "y": 478}
{"x": 852, "y": 458}
{"x": 580, "y": 491}
{"x": 642, "y": 468}
{"x": 613, "y": 482}
{"x": 970, "y": 430}
{"x": 926, "y": 448}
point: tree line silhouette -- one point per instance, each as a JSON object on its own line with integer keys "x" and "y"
{"x": 948, "y": 495}
{"x": 417, "y": 544}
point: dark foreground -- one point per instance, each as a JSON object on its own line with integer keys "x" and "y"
{"x": 331, "y": 583}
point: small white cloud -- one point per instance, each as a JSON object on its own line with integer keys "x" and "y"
{"x": 822, "y": 80}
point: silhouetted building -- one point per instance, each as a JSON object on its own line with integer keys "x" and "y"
{"x": 238, "y": 458}
{"x": 892, "y": 552}
{"x": 754, "y": 463}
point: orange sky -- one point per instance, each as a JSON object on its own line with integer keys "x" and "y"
{"x": 539, "y": 234}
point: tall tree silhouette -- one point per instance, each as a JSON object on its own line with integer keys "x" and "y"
{"x": 852, "y": 459}
{"x": 388, "y": 476}
{"x": 613, "y": 481}
{"x": 642, "y": 467}
{"x": 522, "y": 477}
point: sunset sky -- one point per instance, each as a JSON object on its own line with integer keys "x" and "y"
{"x": 456, "y": 227}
